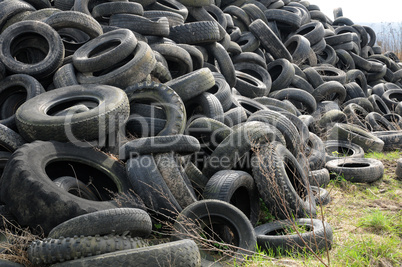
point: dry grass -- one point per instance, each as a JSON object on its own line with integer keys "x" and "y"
{"x": 14, "y": 243}
{"x": 390, "y": 38}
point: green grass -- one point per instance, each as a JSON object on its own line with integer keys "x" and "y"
{"x": 381, "y": 222}
{"x": 394, "y": 155}
{"x": 366, "y": 250}
{"x": 366, "y": 219}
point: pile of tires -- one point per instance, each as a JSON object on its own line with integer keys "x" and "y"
{"x": 116, "y": 116}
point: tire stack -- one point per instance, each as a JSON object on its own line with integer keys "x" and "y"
{"x": 212, "y": 108}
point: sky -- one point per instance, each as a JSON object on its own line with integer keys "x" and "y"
{"x": 368, "y": 11}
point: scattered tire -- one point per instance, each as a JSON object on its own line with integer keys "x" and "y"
{"x": 317, "y": 238}
{"x": 285, "y": 181}
{"x": 104, "y": 222}
{"x": 335, "y": 149}
{"x": 237, "y": 188}
{"x": 356, "y": 170}
{"x": 46, "y": 252}
{"x": 36, "y": 200}
{"x": 180, "y": 253}
{"x": 215, "y": 218}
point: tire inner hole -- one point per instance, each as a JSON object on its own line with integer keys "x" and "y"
{"x": 99, "y": 182}
{"x": 29, "y": 48}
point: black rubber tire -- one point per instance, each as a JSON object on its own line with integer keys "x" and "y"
{"x": 272, "y": 102}
{"x": 395, "y": 119}
{"x": 180, "y": 253}
{"x": 211, "y": 13}
{"x": 205, "y": 104}
{"x": 327, "y": 56}
{"x": 7, "y": 263}
{"x": 147, "y": 181}
{"x": 315, "y": 152}
{"x": 356, "y": 115}
{"x": 105, "y": 222}
{"x": 34, "y": 120}
{"x": 224, "y": 62}
{"x": 197, "y": 179}
{"x": 102, "y": 12}
{"x": 299, "y": 47}
{"x": 361, "y": 63}
{"x": 248, "y": 42}
{"x": 175, "y": 179}
{"x": 64, "y": 5}
{"x": 200, "y": 80}
{"x": 319, "y": 178}
{"x": 283, "y": 124}
{"x": 249, "y": 86}
{"x": 358, "y": 77}
{"x": 256, "y": 71}
{"x": 392, "y": 97}
{"x": 378, "y": 104}
{"x": 302, "y": 99}
{"x": 37, "y": 32}
{"x": 327, "y": 89}
{"x": 132, "y": 69}
{"x": 330, "y": 73}
{"x": 361, "y": 101}
{"x": 249, "y": 57}
{"x": 237, "y": 188}
{"x": 140, "y": 126}
{"x": 208, "y": 130}
{"x": 216, "y": 217}
{"x": 356, "y": 135}
{"x": 282, "y": 73}
{"x": 290, "y": 20}
{"x": 14, "y": 91}
{"x": 41, "y": 14}
{"x": 334, "y": 149}
{"x": 236, "y": 145}
{"x": 199, "y": 3}
{"x": 64, "y": 249}
{"x": 178, "y": 143}
{"x": 65, "y": 76}
{"x": 158, "y": 26}
{"x": 354, "y": 91}
{"x": 222, "y": 91}
{"x": 356, "y": 170}
{"x": 166, "y": 97}
{"x": 318, "y": 238}
{"x": 8, "y": 9}
{"x": 239, "y": 16}
{"x": 196, "y": 55}
{"x": 75, "y": 187}
{"x": 77, "y": 20}
{"x": 170, "y": 5}
{"x": 199, "y": 32}
{"x": 27, "y": 186}
{"x": 174, "y": 19}
{"x": 398, "y": 170}
{"x": 378, "y": 122}
{"x": 161, "y": 73}
{"x": 391, "y": 139}
{"x": 313, "y": 76}
{"x": 235, "y": 116}
{"x": 282, "y": 183}
{"x": 106, "y": 50}
{"x": 313, "y": 31}
{"x": 321, "y": 195}
{"x": 179, "y": 61}
{"x": 269, "y": 40}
